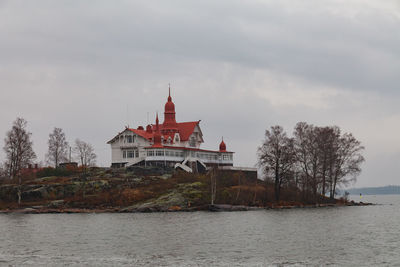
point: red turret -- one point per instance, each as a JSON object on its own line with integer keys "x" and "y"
{"x": 222, "y": 146}
{"x": 169, "y": 124}
{"x": 157, "y": 135}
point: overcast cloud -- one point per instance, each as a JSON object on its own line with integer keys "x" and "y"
{"x": 92, "y": 67}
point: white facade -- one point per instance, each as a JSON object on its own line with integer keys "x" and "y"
{"x": 129, "y": 148}
{"x": 170, "y": 144}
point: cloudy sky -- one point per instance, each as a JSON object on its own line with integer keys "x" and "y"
{"x": 92, "y": 67}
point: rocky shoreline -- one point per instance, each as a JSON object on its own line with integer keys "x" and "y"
{"x": 211, "y": 208}
{"x": 125, "y": 191}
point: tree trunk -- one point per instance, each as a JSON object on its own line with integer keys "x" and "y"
{"x": 19, "y": 193}
{"x": 213, "y": 186}
{"x": 315, "y": 188}
{"x": 277, "y": 187}
{"x": 334, "y": 190}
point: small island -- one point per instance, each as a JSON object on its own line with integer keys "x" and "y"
{"x": 162, "y": 168}
{"x": 146, "y": 190}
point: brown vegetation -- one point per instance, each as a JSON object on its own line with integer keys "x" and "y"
{"x": 117, "y": 189}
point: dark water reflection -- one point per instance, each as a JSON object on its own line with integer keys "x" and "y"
{"x": 362, "y": 236}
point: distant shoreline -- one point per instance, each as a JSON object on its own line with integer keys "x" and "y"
{"x": 382, "y": 190}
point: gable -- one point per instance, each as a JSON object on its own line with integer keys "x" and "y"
{"x": 186, "y": 129}
{"x": 127, "y": 130}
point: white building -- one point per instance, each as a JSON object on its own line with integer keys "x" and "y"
{"x": 170, "y": 144}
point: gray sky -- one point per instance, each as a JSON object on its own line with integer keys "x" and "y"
{"x": 239, "y": 66}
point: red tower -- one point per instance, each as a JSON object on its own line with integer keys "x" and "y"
{"x": 169, "y": 124}
{"x": 222, "y": 146}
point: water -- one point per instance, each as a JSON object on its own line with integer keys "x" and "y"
{"x": 347, "y": 236}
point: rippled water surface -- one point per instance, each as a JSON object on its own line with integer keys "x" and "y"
{"x": 351, "y": 236}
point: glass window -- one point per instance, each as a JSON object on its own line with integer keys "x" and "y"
{"x": 192, "y": 142}
{"x": 137, "y": 153}
{"x": 131, "y": 153}
{"x": 124, "y": 154}
{"x": 150, "y": 153}
{"x": 159, "y": 152}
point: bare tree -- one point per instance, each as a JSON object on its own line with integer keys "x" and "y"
{"x": 302, "y": 157}
{"x": 85, "y": 153}
{"x": 19, "y": 151}
{"x": 276, "y": 157}
{"x": 18, "y": 148}
{"x": 317, "y": 160}
{"x": 345, "y": 166}
{"x": 326, "y": 140}
{"x": 58, "y": 147}
{"x": 308, "y": 156}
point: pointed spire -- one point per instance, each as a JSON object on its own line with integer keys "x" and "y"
{"x": 222, "y": 146}
{"x": 169, "y": 124}
{"x": 157, "y": 121}
{"x": 157, "y": 134}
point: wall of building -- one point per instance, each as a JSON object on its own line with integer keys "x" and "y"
{"x": 121, "y": 143}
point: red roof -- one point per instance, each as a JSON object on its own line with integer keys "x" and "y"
{"x": 222, "y": 146}
{"x": 185, "y": 129}
{"x": 142, "y": 133}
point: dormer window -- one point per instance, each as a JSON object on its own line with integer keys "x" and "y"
{"x": 129, "y": 138}
{"x": 192, "y": 141}
{"x": 169, "y": 140}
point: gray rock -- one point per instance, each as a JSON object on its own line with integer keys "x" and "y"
{"x": 56, "y": 203}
